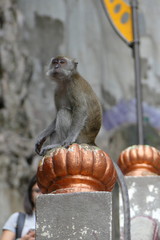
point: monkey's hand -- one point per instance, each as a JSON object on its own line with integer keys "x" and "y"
{"x": 47, "y": 148}
{"x": 38, "y": 145}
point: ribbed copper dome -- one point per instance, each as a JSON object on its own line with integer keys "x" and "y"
{"x": 140, "y": 160}
{"x": 79, "y": 168}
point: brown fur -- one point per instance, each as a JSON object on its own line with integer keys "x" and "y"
{"x": 79, "y": 113}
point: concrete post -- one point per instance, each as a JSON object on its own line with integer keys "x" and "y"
{"x": 74, "y": 216}
{"x": 144, "y": 195}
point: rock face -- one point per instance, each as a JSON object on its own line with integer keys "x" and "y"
{"x": 18, "y": 159}
{"x": 33, "y": 31}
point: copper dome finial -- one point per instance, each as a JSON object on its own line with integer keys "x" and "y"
{"x": 140, "y": 160}
{"x": 80, "y": 168}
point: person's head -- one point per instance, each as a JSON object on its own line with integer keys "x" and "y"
{"x": 30, "y": 196}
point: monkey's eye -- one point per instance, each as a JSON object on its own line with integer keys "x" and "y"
{"x": 62, "y": 61}
{"x": 54, "y": 61}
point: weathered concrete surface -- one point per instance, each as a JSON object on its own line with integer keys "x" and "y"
{"x": 144, "y": 195}
{"x": 76, "y": 216}
{"x": 144, "y": 228}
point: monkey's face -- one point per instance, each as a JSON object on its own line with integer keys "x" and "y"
{"x": 61, "y": 68}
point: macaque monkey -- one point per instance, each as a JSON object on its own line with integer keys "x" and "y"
{"x": 79, "y": 113}
{"x": 78, "y": 118}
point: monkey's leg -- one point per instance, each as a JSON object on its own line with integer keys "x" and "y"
{"x": 79, "y": 117}
{"x": 43, "y": 136}
{"x": 62, "y": 126}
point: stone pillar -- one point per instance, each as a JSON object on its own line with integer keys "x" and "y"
{"x": 77, "y": 201}
{"x": 144, "y": 228}
{"x": 144, "y": 196}
{"x": 141, "y": 165}
{"x": 71, "y": 216}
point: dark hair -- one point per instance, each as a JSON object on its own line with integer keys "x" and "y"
{"x": 28, "y": 201}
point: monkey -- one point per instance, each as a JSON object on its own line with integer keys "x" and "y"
{"x": 79, "y": 113}
{"x": 78, "y": 118}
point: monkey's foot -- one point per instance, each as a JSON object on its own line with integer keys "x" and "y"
{"x": 67, "y": 143}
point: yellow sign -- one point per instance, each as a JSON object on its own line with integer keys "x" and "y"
{"x": 120, "y": 15}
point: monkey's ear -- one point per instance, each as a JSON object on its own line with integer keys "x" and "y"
{"x": 52, "y": 59}
{"x": 75, "y": 62}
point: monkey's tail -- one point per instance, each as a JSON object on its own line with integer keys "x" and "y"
{"x": 126, "y": 205}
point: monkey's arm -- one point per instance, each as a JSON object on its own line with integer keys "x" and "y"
{"x": 43, "y": 136}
